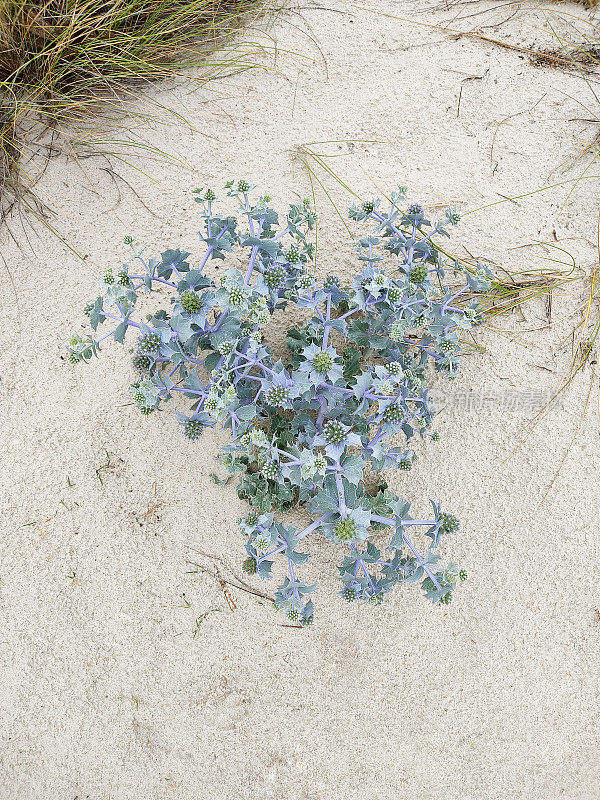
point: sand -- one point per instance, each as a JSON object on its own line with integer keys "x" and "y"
{"x": 126, "y": 677}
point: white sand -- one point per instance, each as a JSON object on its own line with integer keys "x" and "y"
{"x": 106, "y": 693}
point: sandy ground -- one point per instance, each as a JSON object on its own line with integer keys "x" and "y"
{"x": 126, "y": 677}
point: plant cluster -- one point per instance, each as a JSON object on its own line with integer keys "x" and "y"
{"x": 346, "y": 399}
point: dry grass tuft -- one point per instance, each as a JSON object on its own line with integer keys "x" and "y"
{"x": 66, "y": 60}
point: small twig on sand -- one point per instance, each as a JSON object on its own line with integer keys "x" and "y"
{"x": 237, "y": 582}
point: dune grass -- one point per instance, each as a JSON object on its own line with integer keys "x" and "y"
{"x": 63, "y": 61}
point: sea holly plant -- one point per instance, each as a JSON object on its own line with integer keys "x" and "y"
{"x": 315, "y": 424}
